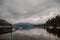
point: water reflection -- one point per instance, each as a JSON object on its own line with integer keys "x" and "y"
{"x": 32, "y": 34}
{"x": 54, "y": 32}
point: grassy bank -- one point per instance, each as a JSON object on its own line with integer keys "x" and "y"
{"x": 4, "y": 39}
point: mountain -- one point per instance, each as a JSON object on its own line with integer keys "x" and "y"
{"x": 23, "y": 25}
{"x": 5, "y": 27}
{"x": 39, "y": 25}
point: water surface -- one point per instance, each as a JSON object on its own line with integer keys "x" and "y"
{"x": 32, "y": 34}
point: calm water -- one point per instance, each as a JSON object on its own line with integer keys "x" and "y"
{"x": 32, "y": 34}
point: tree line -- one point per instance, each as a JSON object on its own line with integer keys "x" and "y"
{"x": 53, "y": 22}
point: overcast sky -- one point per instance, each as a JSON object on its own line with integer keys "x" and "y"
{"x": 32, "y": 11}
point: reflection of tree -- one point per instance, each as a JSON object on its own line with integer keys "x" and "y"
{"x": 5, "y": 27}
{"x": 54, "y": 32}
{"x": 55, "y": 22}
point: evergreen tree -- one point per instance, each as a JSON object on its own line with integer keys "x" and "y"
{"x": 54, "y": 21}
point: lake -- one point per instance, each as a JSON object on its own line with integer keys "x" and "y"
{"x": 31, "y": 34}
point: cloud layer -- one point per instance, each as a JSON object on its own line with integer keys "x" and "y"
{"x": 32, "y": 11}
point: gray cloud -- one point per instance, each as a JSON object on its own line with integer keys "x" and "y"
{"x": 17, "y": 10}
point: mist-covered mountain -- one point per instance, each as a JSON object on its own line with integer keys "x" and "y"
{"x": 23, "y": 25}
{"x": 26, "y": 25}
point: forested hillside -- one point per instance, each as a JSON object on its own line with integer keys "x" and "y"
{"x": 5, "y": 27}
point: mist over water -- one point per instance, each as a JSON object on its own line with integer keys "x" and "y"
{"x": 33, "y": 34}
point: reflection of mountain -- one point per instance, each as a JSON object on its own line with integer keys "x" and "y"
{"x": 23, "y": 25}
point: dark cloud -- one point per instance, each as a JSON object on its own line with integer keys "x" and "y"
{"x": 24, "y": 9}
